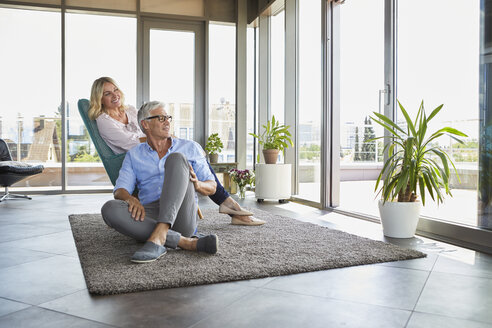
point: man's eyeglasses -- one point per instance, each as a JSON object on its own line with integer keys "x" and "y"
{"x": 161, "y": 118}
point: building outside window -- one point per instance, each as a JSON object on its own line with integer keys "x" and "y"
{"x": 310, "y": 97}
{"x": 361, "y": 79}
{"x": 85, "y": 169}
{"x": 252, "y": 93}
{"x": 433, "y": 67}
{"x": 30, "y": 119}
{"x": 222, "y": 81}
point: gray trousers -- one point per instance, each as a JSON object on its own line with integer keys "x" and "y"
{"x": 176, "y": 207}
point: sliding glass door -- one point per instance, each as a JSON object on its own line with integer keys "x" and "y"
{"x": 222, "y": 87}
{"x": 431, "y": 66}
{"x": 435, "y": 51}
{"x": 362, "y": 47}
{"x": 174, "y": 73}
{"x": 310, "y": 98}
{"x": 438, "y": 63}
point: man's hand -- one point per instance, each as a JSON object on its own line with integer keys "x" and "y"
{"x": 134, "y": 206}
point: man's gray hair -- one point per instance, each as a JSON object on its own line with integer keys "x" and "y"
{"x": 145, "y": 110}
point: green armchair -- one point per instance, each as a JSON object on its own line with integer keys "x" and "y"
{"x": 112, "y": 162}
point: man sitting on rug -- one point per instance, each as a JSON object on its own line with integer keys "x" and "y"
{"x": 168, "y": 172}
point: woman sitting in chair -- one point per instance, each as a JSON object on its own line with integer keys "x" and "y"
{"x": 118, "y": 126}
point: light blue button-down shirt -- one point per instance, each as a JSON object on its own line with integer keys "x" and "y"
{"x": 143, "y": 168}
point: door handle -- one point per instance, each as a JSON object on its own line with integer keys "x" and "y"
{"x": 385, "y": 91}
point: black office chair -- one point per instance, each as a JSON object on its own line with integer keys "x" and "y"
{"x": 13, "y": 171}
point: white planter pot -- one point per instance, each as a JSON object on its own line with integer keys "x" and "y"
{"x": 399, "y": 220}
{"x": 273, "y": 181}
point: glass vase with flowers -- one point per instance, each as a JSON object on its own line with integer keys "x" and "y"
{"x": 242, "y": 178}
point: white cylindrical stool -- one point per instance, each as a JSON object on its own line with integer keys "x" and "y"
{"x": 273, "y": 181}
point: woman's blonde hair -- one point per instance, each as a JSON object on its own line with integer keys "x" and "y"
{"x": 97, "y": 91}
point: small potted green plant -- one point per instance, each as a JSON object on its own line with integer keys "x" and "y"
{"x": 213, "y": 147}
{"x": 416, "y": 164}
{"x": 275, "y": 137}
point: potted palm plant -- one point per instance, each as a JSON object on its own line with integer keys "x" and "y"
{"x": 275, "y": 137}
{"x": 213, "y": 147}
{"x": 416, "y": 165}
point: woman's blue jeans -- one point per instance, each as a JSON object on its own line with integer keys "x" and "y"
{"x": 220, "y": 193}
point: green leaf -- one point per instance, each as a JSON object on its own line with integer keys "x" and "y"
{"x": 422, "y": 190}
{"x": 429, "y": 185}
{"x": 407, "y": 118}
{"x": 373, "y": 139}
{"x": 435, "y": 135}
{"x": 388, "y": 122}
{"x": 451, "y": 131}
{"x": 456, "y": 139}
{"x": 422, "y": 129}
{"x": 434, "y": 112}
{"x": 443, "y": 160}
{"x": 435, "y": 184}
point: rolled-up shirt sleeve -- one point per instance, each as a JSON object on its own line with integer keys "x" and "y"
{"x": 127, "y": 178}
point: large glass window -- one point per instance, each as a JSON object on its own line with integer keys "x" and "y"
{"x": 361, "y": 79}
{"x": 96, "y": 46}
{"x": 436, "y": 68}
{"x": 30, "y": 84}
{"x": 222, "y": 90}
{"x": 310, "y": 97}
{"x": 277, "y": 70}
{"x": 252, "y": 53}
{"x": 172, "y": 76}
{"x": 277, "y": 62}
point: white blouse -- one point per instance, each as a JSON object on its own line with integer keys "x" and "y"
{"x": 120, "y": 137}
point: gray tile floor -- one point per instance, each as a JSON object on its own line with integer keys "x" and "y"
{"x": 42, "y": 285}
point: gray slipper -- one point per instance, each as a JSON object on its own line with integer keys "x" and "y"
{"x": 208, "y": 244}
{"x": 148, "y": 253}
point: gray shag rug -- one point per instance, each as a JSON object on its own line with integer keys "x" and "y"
{"x": 280, "y": 247}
